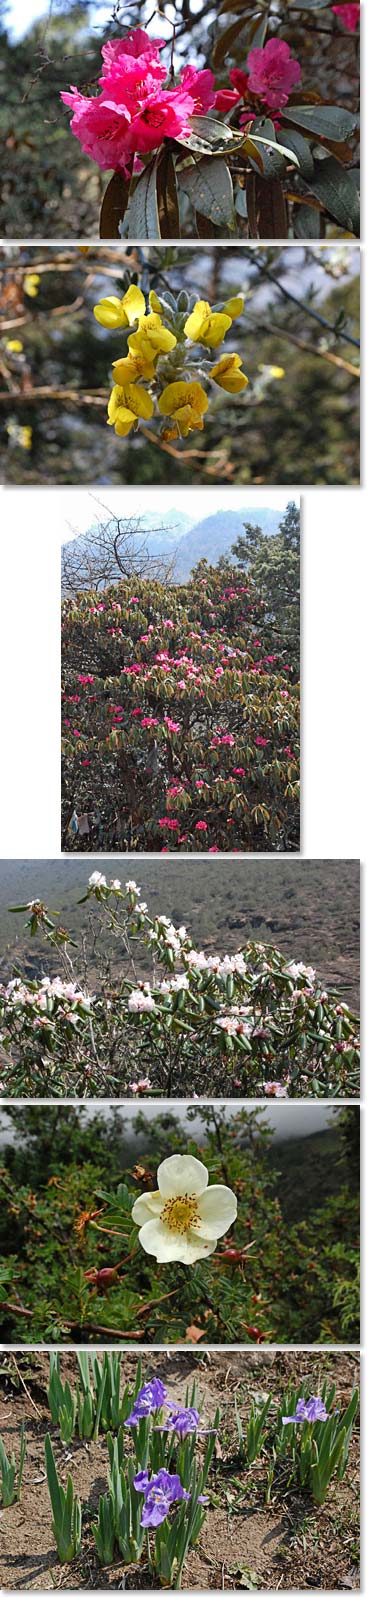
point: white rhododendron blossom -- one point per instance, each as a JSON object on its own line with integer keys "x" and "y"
{"x": 185, "y": 1217}
{"x": 140, "y": 1000}
{"x": 96, "y": 880}
{"x": 49, "y": 991}
{"x": 297, "y": 970}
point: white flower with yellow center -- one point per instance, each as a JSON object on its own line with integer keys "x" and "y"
{"x": 184, "y": 1219}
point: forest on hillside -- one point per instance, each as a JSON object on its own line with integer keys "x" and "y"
{"x": 180, "y": 723}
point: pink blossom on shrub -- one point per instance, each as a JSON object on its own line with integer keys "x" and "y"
{"x": 134, "y": 112}
{"x": 349, "y": 15}
{"x": 273, "y": 73}
{"x": 224, "y": 100}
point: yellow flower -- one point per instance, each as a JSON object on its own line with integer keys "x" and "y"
{"x": 186, "y": 402}
{"x": 125, "y": 407}
{"x": 14, "y": 345}
{"x": 228, "y": 375}
{"x": 132, "y": 368}
{"x": 234, "y": 307}
{"x": 155, "y": 304}
{"x": 30, "y": 284}
{"x": 273, "y": 371}
{"x": 26, "y": 435}
{"x": 21, "y": 435}
{"x": 205, "y": 326}
{"x": 113, "y": 312}
{"x": 152, "y": 338}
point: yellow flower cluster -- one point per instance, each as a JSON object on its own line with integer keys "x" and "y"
{"x": 150, "y": 347}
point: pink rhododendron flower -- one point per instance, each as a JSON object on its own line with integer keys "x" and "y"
{"x": 134, "y": 111}
{"x": 349, "y": 15}
{"x": 240, "y": 82}
{"x": 273, "y": 73}
{"x": 224, "y": 100}
{"x": 201, "y": 826}
{"x": 274, "y": 1089}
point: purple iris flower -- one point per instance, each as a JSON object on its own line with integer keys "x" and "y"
{"x": 160, "y": 1492}
{"x": 151, "y": 1396}
{"x": 183, "y": 1420}
{"x": 314, "y": 1409}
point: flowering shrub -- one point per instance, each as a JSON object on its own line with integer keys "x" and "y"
{"x": 168, "y": 356}
{"x": 73, "y": 1266}
{"x": 168, "y": 150}
{"x": 180, "y": 717}
{"x": 251, "y": 1023}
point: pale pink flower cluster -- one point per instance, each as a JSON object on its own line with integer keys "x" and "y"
{"x": 141, "y": 1000}
{"x": 234, "y": 1024}
{"x": 298, "y": 970}
{"x": 51, "y": 991}
{"x": 137, "y": 107}
{"x": 274, "y": 1089}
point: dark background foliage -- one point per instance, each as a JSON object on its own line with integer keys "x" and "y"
{"x": 302, "y": 428}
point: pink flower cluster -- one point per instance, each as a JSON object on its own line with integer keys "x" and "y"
{"x": 135, "y": 109}
{"x": 272, "y": 74}
{"x": 349, "y": 15}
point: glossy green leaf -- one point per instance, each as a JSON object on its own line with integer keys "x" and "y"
{"x": 339, "y": 192}
{"x": 329, "y": 121}
{"x": 210, "y": 136}
{"x": 114, "y": 205}
{"x": 143, "y": 208}
{"x": 300, "y": 147}
{"x": 209, "y": 187}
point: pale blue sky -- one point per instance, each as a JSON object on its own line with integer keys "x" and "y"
{"x": 22, "y": 13}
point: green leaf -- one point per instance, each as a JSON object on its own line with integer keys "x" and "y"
{"x": 209, "y": 187}
{"x": 309, "y": 5}
{"x": 143, "y": 207}
{"x": 299, "y": 147}
{"x": 114, "y": 205}
{"x": 258, "y": 32}
{"x": 329, "y": 121}
{"x": 208, "y": 136}
{"x": 338, "y": 191}
{"x": 224, "y": 43}
{"x": 167, "y": 201}
{"x": 306, "y": 222}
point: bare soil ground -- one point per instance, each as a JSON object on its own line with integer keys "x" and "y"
{"x": 244, "y": 1543}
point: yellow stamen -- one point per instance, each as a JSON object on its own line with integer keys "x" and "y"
{"x": 180, "y": 1214}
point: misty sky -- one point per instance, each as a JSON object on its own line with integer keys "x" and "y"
{"x": 286, "y": 1119}
{"x": 70, "y": 511}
